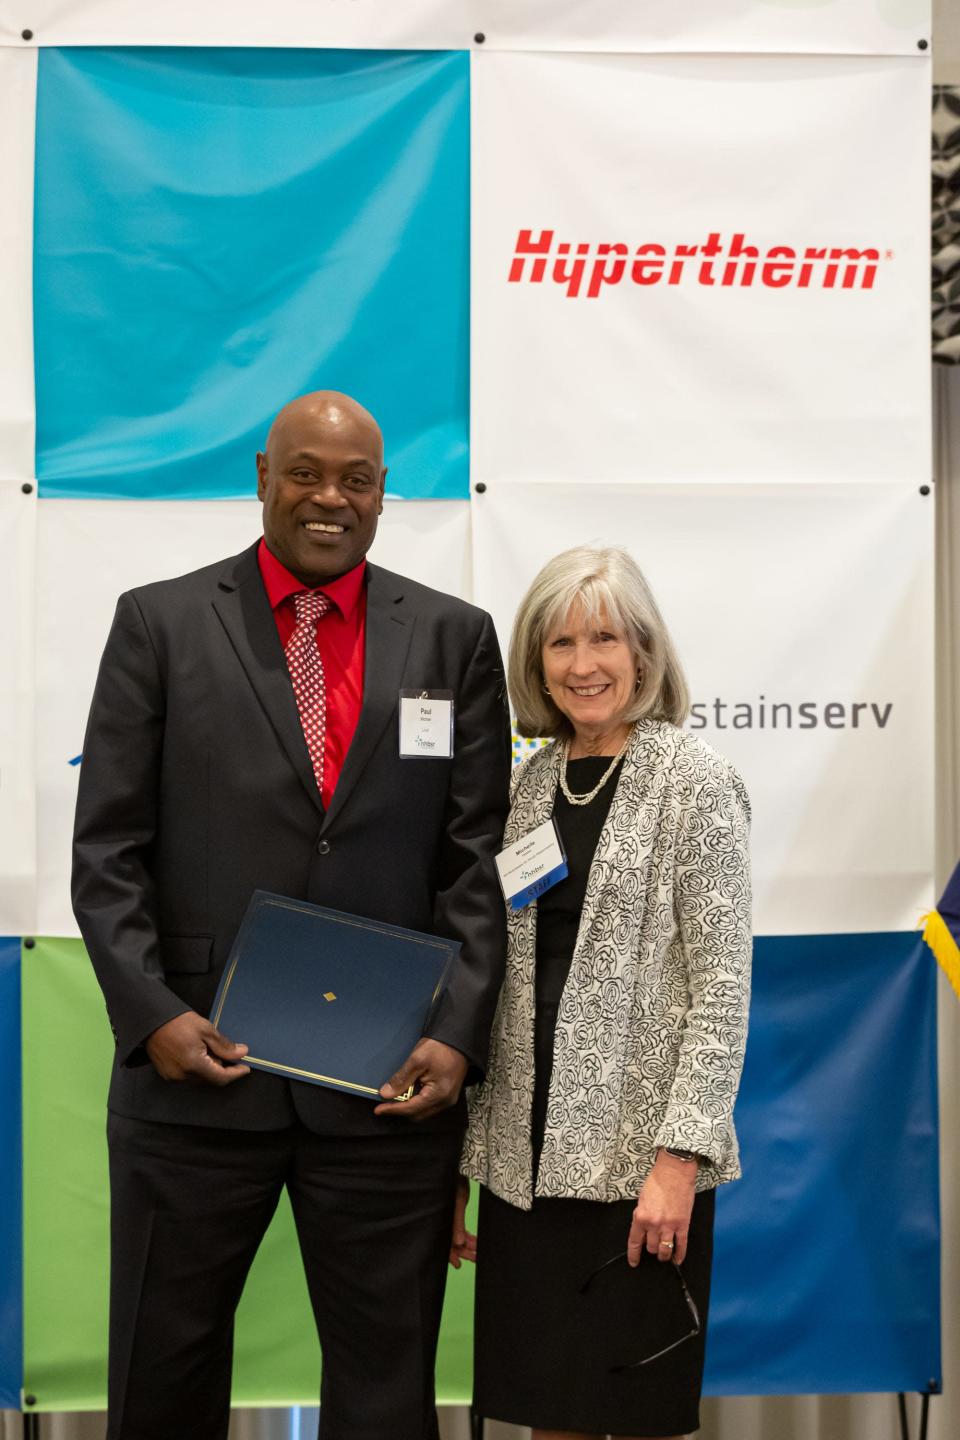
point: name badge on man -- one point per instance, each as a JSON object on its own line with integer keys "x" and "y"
{"x": 426, "y": 724}
{"x": 532, "y": 866}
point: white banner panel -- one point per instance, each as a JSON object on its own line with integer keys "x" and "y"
{"x": 877, "y": 27}
{"x": 804, "y": 618}
{"x": 18, "y": 850}
{"x": 92, "y": 550}
{"x": 18, "y": 99}
{"x": 703, "y": 268}
{"x": 807, "y": 26}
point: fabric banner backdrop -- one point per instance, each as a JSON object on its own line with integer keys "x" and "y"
{"x": 102, "y": 542}
{"x": 171, "y": 183}
{"x": 697, "y": 286}
{"x": 67, "y": 1221}
{"x": 653, "y": 275}
{"x": 18, "y": 95}
{"x": 840, "y": 1082}
{"x": 11, "y": 1210}
{"x": 873, "y": 27}
{"x": 18, "y": 514}
{"x": 804, "y": 616}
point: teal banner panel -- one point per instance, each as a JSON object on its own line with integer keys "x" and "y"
{"x": 217, "y": 231}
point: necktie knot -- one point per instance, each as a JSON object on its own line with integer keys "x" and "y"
{"x": 309, "y": 605}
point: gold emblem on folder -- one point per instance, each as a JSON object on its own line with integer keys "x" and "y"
{"x": 329, "y": 995}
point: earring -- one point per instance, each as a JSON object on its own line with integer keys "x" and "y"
{"x": 639, "y": 680}
{"x": 545, "y": 688}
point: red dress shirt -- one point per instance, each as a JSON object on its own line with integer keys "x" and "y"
{"x": 341, "y": 634}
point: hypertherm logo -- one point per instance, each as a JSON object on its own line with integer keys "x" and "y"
{"x": 732, "y": 262}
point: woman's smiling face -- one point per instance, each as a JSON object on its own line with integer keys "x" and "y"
{"x": 591, "y": 672}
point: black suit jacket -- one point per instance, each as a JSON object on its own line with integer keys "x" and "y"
{"x": 196, "y": 788}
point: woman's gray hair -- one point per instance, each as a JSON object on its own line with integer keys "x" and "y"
{"x": 599, "y": 580}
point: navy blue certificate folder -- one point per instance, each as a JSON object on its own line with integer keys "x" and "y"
{"x": 325, "y": 997}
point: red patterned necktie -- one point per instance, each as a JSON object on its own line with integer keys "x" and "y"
{"x": 306, "y": 672}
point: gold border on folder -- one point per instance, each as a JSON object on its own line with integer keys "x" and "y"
{"x": 311, "y": 1074}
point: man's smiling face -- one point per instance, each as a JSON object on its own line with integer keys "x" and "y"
{"x": 321, "y": 482}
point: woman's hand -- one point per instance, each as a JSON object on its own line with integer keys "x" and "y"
{"x": 661, "y": 1220}
{"x": 463, "y": 1245}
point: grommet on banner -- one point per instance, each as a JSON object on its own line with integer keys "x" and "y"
{"x": 479, "y": 37}
{"x": 480, "y": 487}
{"x": 922, "y": 44}
{"x": 29, "y": 1399}
{"x": 924, "y": 489}
{"x": 27, "y": 488}
{"x": 29, "y": 943}
{"x": 26, "y": 34}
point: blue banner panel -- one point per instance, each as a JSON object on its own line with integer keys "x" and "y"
{"x": 217, "y": 231}
{"x": 827, "y": 1265}
{"x": 11, "y": 1212}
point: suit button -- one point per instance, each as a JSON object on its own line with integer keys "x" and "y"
{"x": 323, "y": 847}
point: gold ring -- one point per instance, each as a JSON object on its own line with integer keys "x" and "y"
{"x": 666, "y": 1244}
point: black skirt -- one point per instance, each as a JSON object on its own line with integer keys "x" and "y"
{"x": 551, "y": 1355}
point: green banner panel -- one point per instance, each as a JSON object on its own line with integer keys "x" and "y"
{"x": 67, "y": 1049}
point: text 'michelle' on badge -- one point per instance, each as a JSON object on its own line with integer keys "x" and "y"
{"x": 531, "y": 866}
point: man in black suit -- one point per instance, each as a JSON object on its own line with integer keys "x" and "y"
{"x": 206, "y": 775}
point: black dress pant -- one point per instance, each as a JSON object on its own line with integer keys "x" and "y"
{"x": 190, "y": 1205}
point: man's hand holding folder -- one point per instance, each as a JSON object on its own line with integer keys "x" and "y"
{"x": 438, "y": 1072}
{"x": 190, "y": 1047}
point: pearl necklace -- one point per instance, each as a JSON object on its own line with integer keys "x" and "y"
{"x": 592, "y": 794}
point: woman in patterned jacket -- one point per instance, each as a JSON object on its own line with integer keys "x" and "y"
{"x": 604, "y": 1122}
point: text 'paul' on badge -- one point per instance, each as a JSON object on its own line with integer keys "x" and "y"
{"x": 426, "y": 724}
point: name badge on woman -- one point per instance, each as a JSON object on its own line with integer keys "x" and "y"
{"x": 426, "y": 724}
{"x": 532, "y": 866}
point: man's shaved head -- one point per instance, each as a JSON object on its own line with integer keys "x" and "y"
{"x": 329, "y": 408}
{"x": 321, "y": 478}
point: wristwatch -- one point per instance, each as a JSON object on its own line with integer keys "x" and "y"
{"x": 687, "y": 1155}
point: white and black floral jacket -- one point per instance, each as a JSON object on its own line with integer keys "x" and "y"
{"x": 653, "y": 1019}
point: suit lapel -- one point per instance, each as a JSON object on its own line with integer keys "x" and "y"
{"x": 245, "y": 614}
{"x": 389, "y": 630}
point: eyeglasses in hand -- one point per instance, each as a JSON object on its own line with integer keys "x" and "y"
{"x": 690, "y": 1303}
